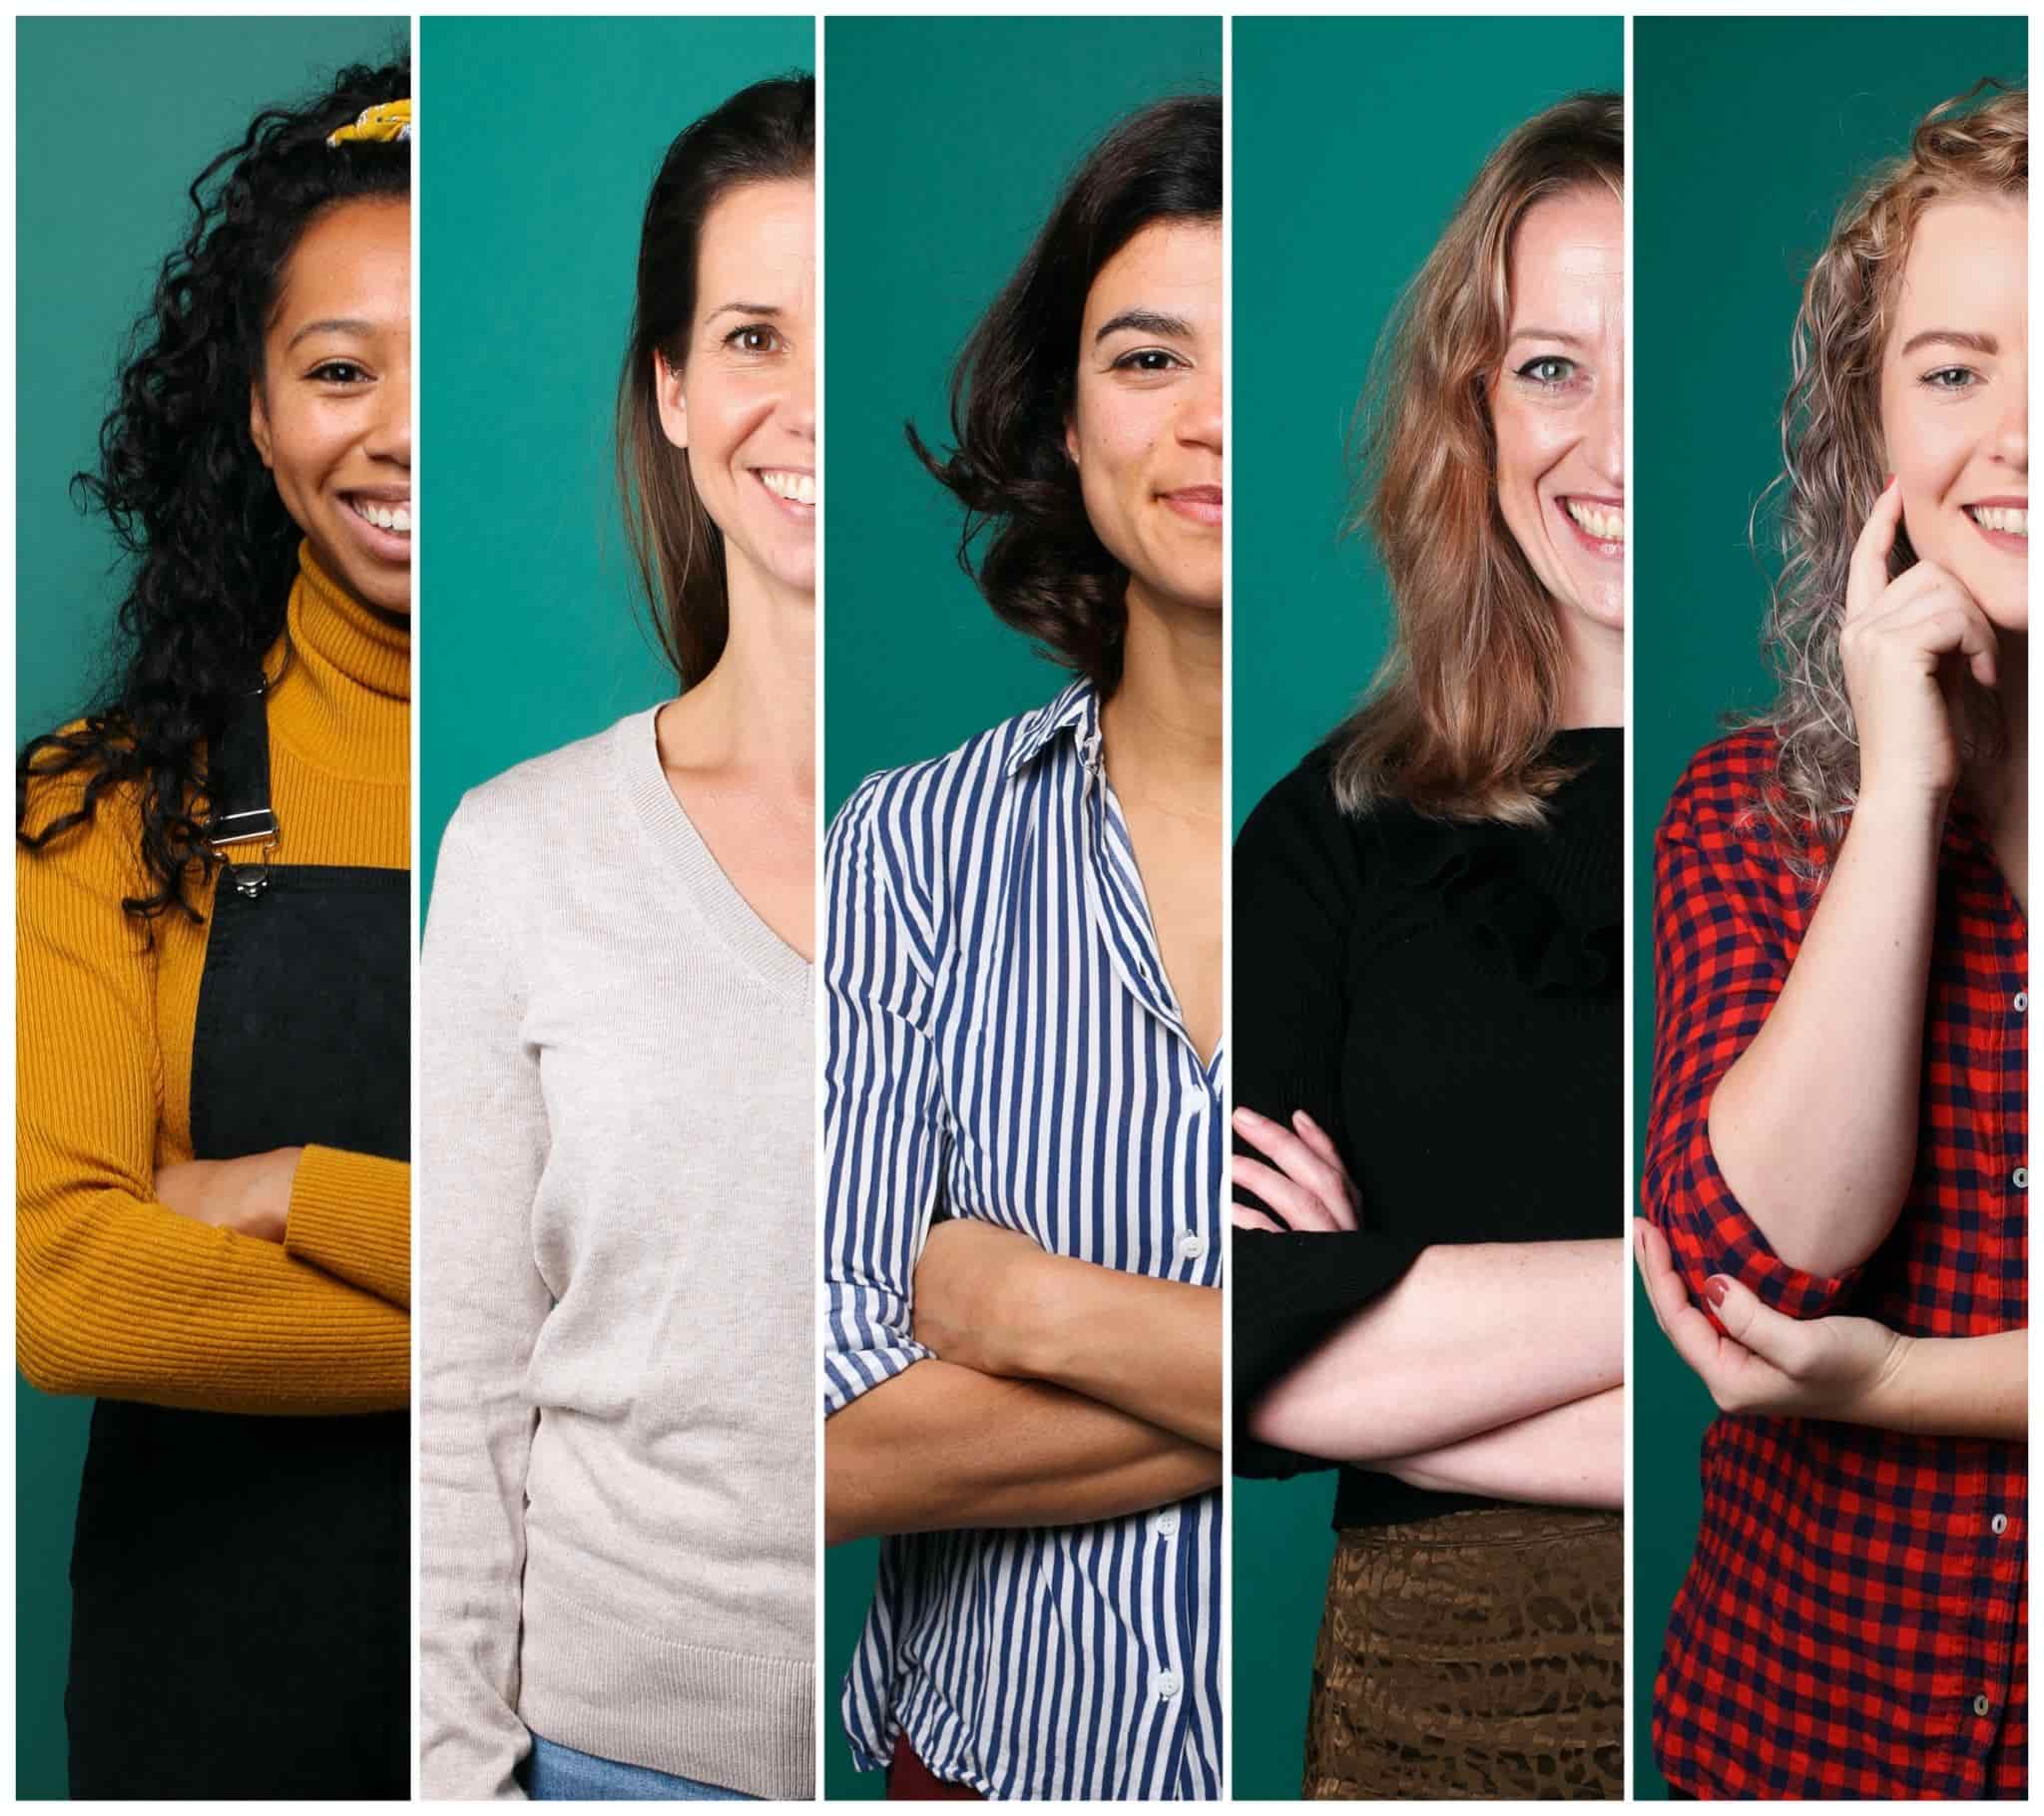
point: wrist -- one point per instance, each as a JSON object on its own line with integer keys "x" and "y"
{"x": 1039, "y": 1316}
{"x": 1910, "y": 810}
{"x": 1885, "y": 1398}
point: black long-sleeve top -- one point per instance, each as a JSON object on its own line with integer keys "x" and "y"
{"x": 1446, "y": 1000}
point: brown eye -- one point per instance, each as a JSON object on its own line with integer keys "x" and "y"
{"x": 755, "y": 337}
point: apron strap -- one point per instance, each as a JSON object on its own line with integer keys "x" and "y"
{"x": 237, "y": 778}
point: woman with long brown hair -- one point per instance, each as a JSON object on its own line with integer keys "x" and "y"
{"x": 1837, "y": 1159}
{"x": 616, "y": 1439}
{"x": 1428, "y": 1048}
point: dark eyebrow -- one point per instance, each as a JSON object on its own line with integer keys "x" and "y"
{"x": 1566, "y": 339}
{"x": 335, "y": 325}
{"x": 1959, "y": 337}
{"x": 1145, "y": 321}
{"x": 743, "y": 308}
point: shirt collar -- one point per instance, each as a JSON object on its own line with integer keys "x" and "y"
{"x": 1076, "y": 710}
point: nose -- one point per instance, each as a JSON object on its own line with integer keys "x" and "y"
{"x": 2012, "y": 431}
{"x": 1604, "y": 431}
{"x": 1200, "y": 422}
{"x": 389, "y": 431}
{"x": 798, "y": 403}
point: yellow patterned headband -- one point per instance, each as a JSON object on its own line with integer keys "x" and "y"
{"x": 383, "y": 125}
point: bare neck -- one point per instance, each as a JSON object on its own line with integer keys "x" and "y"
{"x": 1594, "y": 693}
{"x": 1162, "y": 727}
{"x": 755, "y": 714}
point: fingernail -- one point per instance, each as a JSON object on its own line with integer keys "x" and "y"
{"x": 1887, "y": 482}
{"x": 1715, "y": 1288}
{"x": 1247, "y": 1116}
{"x": 1300, "y": 1117}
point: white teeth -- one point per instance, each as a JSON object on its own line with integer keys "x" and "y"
{"x": 394, "y": 518}
{"x": 2010, "y": 520}
{"x": 1601, "y": 521}
{"x": 796, "y": 488}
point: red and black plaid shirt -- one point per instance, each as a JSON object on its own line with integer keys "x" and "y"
{"x": 1855, "y": 1621}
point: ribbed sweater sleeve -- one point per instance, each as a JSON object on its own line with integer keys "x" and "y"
{"x": 117, "y": 1294}
{"x": 350, "y": 1215}
{"x": 485, "y": 1143}
{"x": 1295, "y": 906}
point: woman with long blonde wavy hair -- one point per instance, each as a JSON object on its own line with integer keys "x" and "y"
{"x": 1427, "y": 947}
{"x": 1837, "y": 1155}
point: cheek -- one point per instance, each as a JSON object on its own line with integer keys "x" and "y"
{"x": 1528, "y": 443}
{"x": 1116, "y": 429}
{"x": 722, "y": 412}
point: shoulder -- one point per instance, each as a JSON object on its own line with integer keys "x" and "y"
{"x": 1723, "y": 787}
{"x": 917, "y": 817}
{"x": 1298, "y": 809}
{"x": 534, "y": 800}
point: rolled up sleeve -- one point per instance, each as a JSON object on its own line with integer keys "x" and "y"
{"x": 885, "y": 1127}
{"x": 1725, "y": 935}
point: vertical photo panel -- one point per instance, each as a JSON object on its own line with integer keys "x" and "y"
{"x": 1430, "y": 716}
{"x": 1023, "y": 887}
{"x": 1831, "y": 1083}
{"x": 213, "y": 856}
{"x": 617, "y": 1426}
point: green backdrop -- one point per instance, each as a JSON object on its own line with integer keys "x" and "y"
{"x": 114, "y": 117}
{"x": 539, "y": 141}
{"x": 1783, "y": 116}
{"x": 946, "y": 140}
{"x": 1347, "y": 165}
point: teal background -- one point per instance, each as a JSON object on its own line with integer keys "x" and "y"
{"x": 539, "y": 141}
{"x": 1349, "y": 156}
{"x": 114, "y": 117}
{"x": 1751, "y": 133}
{"x": 946, "y": 141}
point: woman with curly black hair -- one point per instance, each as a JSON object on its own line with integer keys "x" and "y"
{"x": 1023, "y": 963}
{"x": 213, "y": 886}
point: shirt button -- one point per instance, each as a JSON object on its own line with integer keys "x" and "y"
{"x": 2022, "y": 1000}
{"x": 1164, "y": 1685}
{"x": 1981, "y": 1705}
{"x": 2021, "y": 1177}
{"x": 1998, "y": 1524}
{"x": 1165, "y": 1521}
{"x": 1192, "y": 1246}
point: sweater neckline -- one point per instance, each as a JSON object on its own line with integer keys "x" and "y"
{"x": 636, "y": 748}
{"x": 341, "y": 696}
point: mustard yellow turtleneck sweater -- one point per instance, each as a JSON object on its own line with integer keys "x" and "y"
{"x": 118, "y": 1295}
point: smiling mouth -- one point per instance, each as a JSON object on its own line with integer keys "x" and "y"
{"x": 1598, "y": 523}
{"x": 1200, "y": 503}
{"x": 2001, "y": 519}
{"x": 393, "y": 519}
{"x": 787, "y": 485}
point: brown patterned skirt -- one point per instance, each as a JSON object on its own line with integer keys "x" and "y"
{"x": 1473, "y": 1655}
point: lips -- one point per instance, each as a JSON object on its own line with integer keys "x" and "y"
{"x": 1201, "y": 504}
{"x": 1597, "y": 524}
{"x": 381, "y": 521}
{"x": 792, "y": 489}
{"x": 2005, "y": 522}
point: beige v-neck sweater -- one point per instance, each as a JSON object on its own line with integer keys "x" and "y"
{"x": 615, "y": 1297}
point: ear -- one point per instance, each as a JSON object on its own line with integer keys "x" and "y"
{"x": 1072, "y": 441}
{"x": 673, "y": 403}
{"x": 258, "y": 424}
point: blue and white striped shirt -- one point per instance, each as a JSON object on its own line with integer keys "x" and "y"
{"x": 1002, "y": 1038}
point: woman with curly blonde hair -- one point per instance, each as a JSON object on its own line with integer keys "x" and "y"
{"x": 1841, "y": 947}
{"x": 1426, "y": 941}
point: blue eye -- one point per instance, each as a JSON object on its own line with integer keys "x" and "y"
{"x": 1548, "y": 369}
{"x": 1951, "y": 378}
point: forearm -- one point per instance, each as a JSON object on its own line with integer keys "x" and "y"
{"x": 1149, "y": 1347}
{"x": 1568, "y": 1456}
{"x": 350, "y": 1215}
{"x": 941, "y": 1447}
{"x": 127, "y": 1300}
{"x": 1841, "y": 1051}
{"x": 1951, "y": 1387}
{"x": 1472, "y": 1337}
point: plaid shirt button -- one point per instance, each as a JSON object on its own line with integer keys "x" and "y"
{"x": 1981, "y": 1705}
{"x": 1998, "y": 1524}
{"x": 2022, "y": 1000}
{"x": 2021, "y": 1177}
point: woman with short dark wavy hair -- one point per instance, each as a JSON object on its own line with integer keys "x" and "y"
{"x": 1023, "y": 967}
{"x": 213, "y": 943}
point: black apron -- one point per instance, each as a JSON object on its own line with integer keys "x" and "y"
{"x": 242, "y": 1584}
